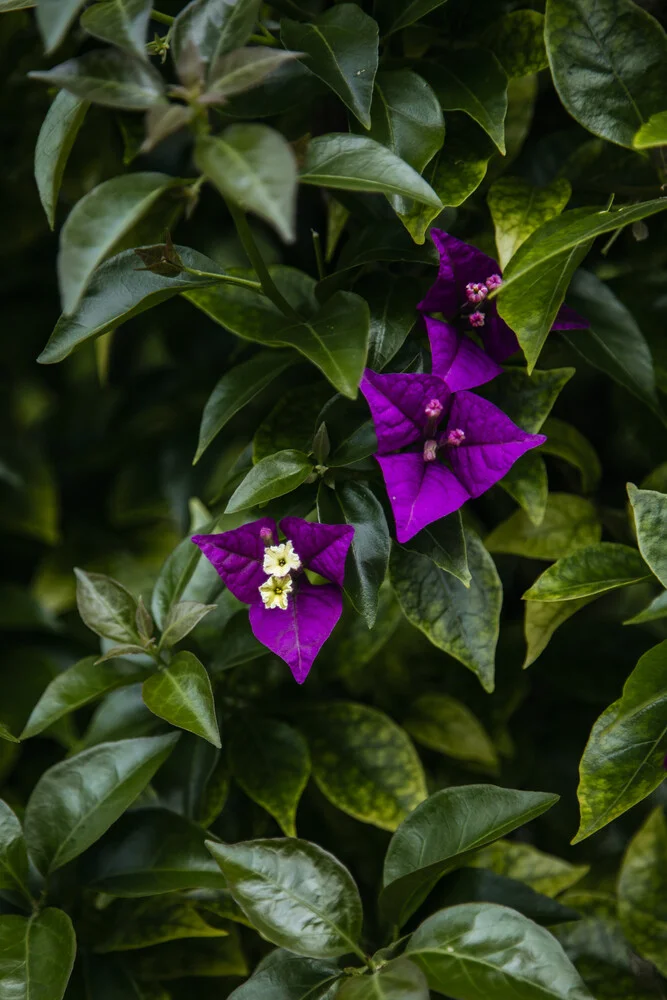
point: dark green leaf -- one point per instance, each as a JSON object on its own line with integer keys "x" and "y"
{"x": 13, "y": 853}
{"x": 445, "y": 544}
{"x": 272, "y": 477}
{"x": 566, "y": 442}
{"x": 589, "y": 571}
{"x": 126, "y": 926}
{"x": 472, "y": 81}
{"x": 542, "y": 620}
{"x": 642, "y": 886}
{"x": 109, "y": 77}
{"x": 364, "y": 763}
{"x": 544, "y": 873}
{"x": 478, "y": 886}
{"x": 441, "y": 834}
{"x": 54, "y": 18}
{"x": 442, "y": 723}
{"x": 409, "y": 11}
{"x": 623, "y": 759}
{"x": 54, "y": 144}
{"x": 517, "y": 41}
{"x": 528, "y": 484}
{"x": 271, "y": 763}
{"x": 295, "y": 894}
{"x": 528, "y": 399}
{"x": 123, "y": 23}
{"x": 76, "y": 801}
{"x": 36, "y": 955}
{"x": 181, "y": 620}
{"x": 341, "y": 48}
{"x": 212, "y": 957}
{"x": 462, "y": 621}
{"x": 182, "y": 695}
{"x": 518, "y": 209}
{"x": 650, "y": 513}
{"x": 243, "y": 69}
{"x": 292, "y": 422}
{"x": 397, "y": 980}
{"x": 569, "y": 523}
{"x": 185, "y": 570}
{"x": 393, "y": 314}
{"x": 207, "y": 29}
{"x": 284, "y": 976}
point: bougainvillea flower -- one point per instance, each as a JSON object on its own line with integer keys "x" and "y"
{"x": 460, "y": 293}
{"x": 456, "y": 358}
{"x": 288, "y": 614}
{"x": 436, "y": 448}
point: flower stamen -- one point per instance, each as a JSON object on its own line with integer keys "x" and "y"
{"x": 430, "y": 450}
{"x": 476, "y": 292}
{"x": 477, "y": 318}
{"x": 455, "y": 438}
{"x": 493, "y": 282}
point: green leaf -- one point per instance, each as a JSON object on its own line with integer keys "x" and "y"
{"x": 106, "y": 607}
{"x": 517, "y": 42}
{"x": 566, "y": 442}
{"x": 407, "y": 13}
{"x": 440, "y": 835}
{"x": 544, "y": 873}
{"x": 76, "y": 801}
{"x": 182, "y": 695}
{"x": 236, "y": 388}
{"x": 475, "y": 885}
{"x": 126, "y": 926}
{"x": 185, "y": 570}
{"x": 569, "y": 523}
{"x": 614, "y": 344}
{"x": 295, "y": 895}
{"x": 541, "y": 621}
{"x": 591, "y": 570}
{"x": 151, "y": 851}
{"x": 528, "y": 398}
{"x": 123, "y": 23}
{"x": 341, "y": 48}
{"x": 444, "y": 542}
{"x": 284, "y": 976}
{"x": 13, "y": 853}
{"x": 650, "y": 513}
{"x": 518, "y": 209}
{"x": 272, "y": 477}
{"x": 108, "y": 77}
{"x": 357, "y": 163}
{"x": 615, "y": 50}
{"x": 210, "y": 958}
{"x": 445, "y": 724}
{"x": 528, "y": 484}
{"x": 623, "y": 759}
{"x": 355, "y": 504}
{"x": 392, "y": 309}
{"x": 364, "y": 763}
{"x": 480, "y": 951}
{"x": 97, "y": 222}
{"x": 181, "y": 620}
{"x": 253, "y": 166}
{"x": 77, "y": 686}
{"x": 54, "y": 144}
{"x": 36, "y": 955}
{"x": 206, "y": 29}
{"x": 7, "y": 5}
{"x": 462, "y": 621}
{"x": 54, "y": 18}
{"x": 243, "y": 69}
{"x": 129, "y": 649}
{"x": 271, "y": 763}
{"x": 397, "y": 980}
{"x": 472, "y": 81}
{"x": 292, "y": 422}
{"x": 537, "y": 277}
{"x": 653, "y": 133}
{"x": 655, "y": 610}
{"x": 642, "y": 888}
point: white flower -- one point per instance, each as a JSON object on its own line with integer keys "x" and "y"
{"x": 279, "y": 560}
{"x": 274, "y": 592}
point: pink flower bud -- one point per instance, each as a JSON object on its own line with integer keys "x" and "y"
{"x": 476, "y": 319}
{"x": 495, "y": 281}
{"x": 456, "y": 437}
{"x": 433, "y": 409}
{"x": 476, "y": 292}
{"x": 430, "y": 450}
{"x": 266, "y": 534}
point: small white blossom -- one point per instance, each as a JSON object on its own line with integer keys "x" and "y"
{"x": 274, "y": 592}
{"x": 279, "y": 560}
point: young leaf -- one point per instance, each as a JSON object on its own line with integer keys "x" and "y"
{"x": 341, "y": 48}
{"x": 397, "y": 980}
{"x": 182, "y": 695}
{"x": 106, "y": 607}
{"x": 97, "y": 222}
{"x": 76, "y": 801}
{"x": 653, "y": 133}
{"x": 271, "y": 763}
{"x": 460, "y": 86}
{"x": 541, "y": 621}
{"x": 36, "y": 955}
{"x": 209, "y": 29}
{"x": 244, "y": 69}
{"x": 253, "y": 166}
{"x": 54, "y": 144}
{"x": 364, "y": 763}
{"x": 642, "y": 884}
{"x": 569, "y": 523}
{"x": 272, "y": 477}
{"x": 179, "y": 569}
{"x": 650, "y": 513}
{"x": 518, "y": 209}
{"x": 588, "y": 571}
{"x": 13, "y": 853}
{"x": 623, "y": 759}
{"x": 123, "y": 23}
{"x": 463, "y": 622}
{"x": 108, "y": 77}
{"x": 441, "y": 834}
{"x": 181, "y": 620}
{"x": 295, "y": 894}
{"x": 54, "y": 18}
{"x": 446, "y": 725}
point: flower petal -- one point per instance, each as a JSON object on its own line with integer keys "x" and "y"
{"x": 569, "y": 319}
{"x": 500, "y": 341}
{"x": 397, "y": 405}
{"x": 297, "y": 634}
{"x": 460, "y": 264}
{"x": 238, "y": 556}
{"x": 492, "y": 442}
{"x": 419, "y": 492}
{"x": 321, "y": 547}
{"x": 459, "y": 362}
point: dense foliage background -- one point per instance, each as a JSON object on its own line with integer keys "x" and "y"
{"x": 295, "y": 155}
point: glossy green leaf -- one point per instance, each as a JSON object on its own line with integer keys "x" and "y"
{"x": 653, "y": 612}
{"x": 392, "y": 310}
{"x": 623, "y": 759}
{"x": 652, "y": 133}
{"x": 243, "y": 69}
{"x": 544, "y": 873}
{"x": 123, "y": 23}
{"x": 341, "y": 48}
{"x": 77, "y": 686}
{"x": 206, "y": 29}
{"x": 472, "y": 81}
{"x": 527, "y": 483}
{"x": 54, "y": 17}
{"x": 36, "y": 955}
{"x": 566, "y": 442}
{"x": 76, "y": 801}
{"x": 358, "y": 644}
{"x": 518, "y": 209}
{"x": 463, "y": 622}
{"x": 364, "y": 763}
{"x": 569, "y": 523}
{"x": 475, "y": 885}
{"x": 271, "y": 763}
{"x": 591, "y": 570}
{"x": 282, "y": 975}
{"x": 445, "y": 724}
{"x": 272, "y": 477}
{"x": 253, "y": 166}
{"x": 108, "y": 77}
{"x": 106, "y": 606}
{"x": 444, "y": 542}
{"x": 13, "y": 853}
{"x": 528, "y": 398}
{"x": 295, "y": 894}
{"x": 542, "y": 618}
{"x": 642, "y": 887}
{"x": 181, "y": 694}
{"x": 181, "y": 620}
{"x": 357, "y": 163}
{"x": 355, "y": 504}
{"x": 292, "y": 422}
{"x": 54, "y": 144}
{"x": 650, "y": 513}
{"x": 406, "y": 12}
{"x": 440, "y": 835}
{"x": 517, "y": 41}
{"x": 479, "y": 951}
{"x": 397, "y": 980}
{"x": 614, "y": 50}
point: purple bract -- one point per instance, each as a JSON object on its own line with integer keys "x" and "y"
{"x": 436, "y": 448}
{"x": 288, "y": 614}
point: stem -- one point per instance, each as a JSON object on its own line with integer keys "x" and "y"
{"x": 162, "y": 18}
{"x": 261, "y": 270}
{"x": 319, "y": 259}
{"x": 229, "y": 279}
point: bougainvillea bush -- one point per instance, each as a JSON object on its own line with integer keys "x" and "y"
{"x": 333, "y": 500}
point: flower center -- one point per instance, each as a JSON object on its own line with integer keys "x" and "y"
{"x": 476, "y": 318}
{"x": 493, "y": 282}
{"x": 476, "y": 292}
{"x": 274, "y": 592}
{"x": 455, "y": 438}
